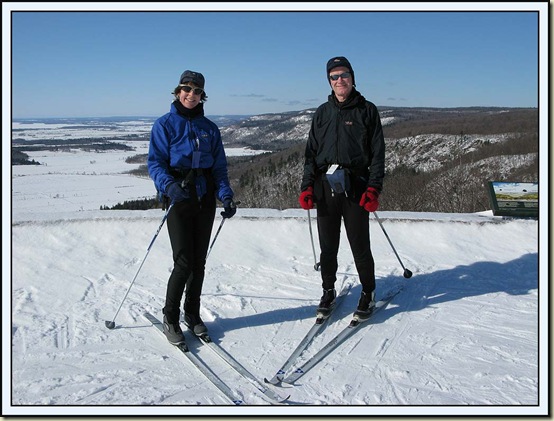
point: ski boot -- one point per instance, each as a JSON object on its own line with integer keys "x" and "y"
{"x": 326, "y": 304}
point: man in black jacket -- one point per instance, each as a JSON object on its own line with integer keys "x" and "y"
{"x": 343, "y": 174}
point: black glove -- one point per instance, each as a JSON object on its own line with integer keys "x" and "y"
{"x": 176, "y": 193}
{"x": 230, "y": 208}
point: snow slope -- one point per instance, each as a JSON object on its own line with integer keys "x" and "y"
{"x": 468, "y": 335}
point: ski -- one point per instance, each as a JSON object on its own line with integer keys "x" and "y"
{"x": 319, "y": 324}
{"x": 273, "y": 397}
{"x": 203, "y": 368}
{"x": 340, "y": 338}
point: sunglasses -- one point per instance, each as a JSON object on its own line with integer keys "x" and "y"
{"x": 344, "y": 75}
{"x": 197, "y": 91}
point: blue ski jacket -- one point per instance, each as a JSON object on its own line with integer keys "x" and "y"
{"x": 175, "y": 140}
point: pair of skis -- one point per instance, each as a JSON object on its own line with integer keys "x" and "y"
{"x": 205, "y": 339}
{"x": 318, "y": 326}
{"x": 280, "y": 377}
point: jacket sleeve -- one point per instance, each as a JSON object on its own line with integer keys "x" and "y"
{"x": 310, "y": 154}
{"x": 377, "y": 147}
{"x": 158, "y": 157}
{"x": 219, "y": 169}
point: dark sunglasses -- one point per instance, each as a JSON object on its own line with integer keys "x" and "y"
{"x": 197, "y": 91}
{"x": 344, "y": 75}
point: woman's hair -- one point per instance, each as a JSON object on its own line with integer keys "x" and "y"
{"x": 177, "y": 90}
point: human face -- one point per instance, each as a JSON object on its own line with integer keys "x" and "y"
{"x": 342, "y": 86}
{"x": 189, "y": 99}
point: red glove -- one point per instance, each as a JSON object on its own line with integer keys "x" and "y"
{"x": 369, "y": 200}
{"x": 306, "y": 198}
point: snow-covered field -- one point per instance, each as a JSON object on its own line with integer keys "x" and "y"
{"x": 468, "y": 334}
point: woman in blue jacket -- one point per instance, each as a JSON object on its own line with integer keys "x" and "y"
{"x": 187, "y": 162}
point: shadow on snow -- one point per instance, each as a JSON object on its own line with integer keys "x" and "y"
{"x": 515, "y": 277}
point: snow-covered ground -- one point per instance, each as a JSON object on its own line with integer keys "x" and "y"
{"x": 468, "y": 334}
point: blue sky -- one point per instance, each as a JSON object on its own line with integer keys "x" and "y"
{"x": 79, "y": 63}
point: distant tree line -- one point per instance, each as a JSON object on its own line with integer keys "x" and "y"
{"x": 469, "y": 121}
{"x": 21, "y": 158}
{"x": 66, "y": 145}
{"x": 139, "y": 204}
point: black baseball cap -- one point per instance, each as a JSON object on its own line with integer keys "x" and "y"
{"x": 194, "y": 77}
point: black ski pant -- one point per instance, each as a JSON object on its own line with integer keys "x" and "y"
{"x": 331, "y": 210}
{"x": 189, "y": 226}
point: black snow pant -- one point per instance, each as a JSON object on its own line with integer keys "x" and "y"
{"x": 331, "y": 210}
{"x": 189, "y": 224}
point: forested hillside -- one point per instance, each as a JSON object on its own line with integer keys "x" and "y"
{"x": 437, "y": 160}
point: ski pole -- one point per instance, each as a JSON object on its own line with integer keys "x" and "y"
{"x": 316, "y": 263}
{"x": 215, "y": 237}
{"x": 111, "y": 324}
{"x": 217, "y": 233}
{"x": 407, "y": 273}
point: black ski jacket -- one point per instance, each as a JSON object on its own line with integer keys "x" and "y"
{"x": 348, "y": 134}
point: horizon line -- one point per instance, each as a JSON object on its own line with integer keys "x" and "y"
{"x": 282, "y": 112}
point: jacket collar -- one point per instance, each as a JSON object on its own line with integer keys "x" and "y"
{"x": 353, "y": 99}
{"x": 197, "y": 111}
